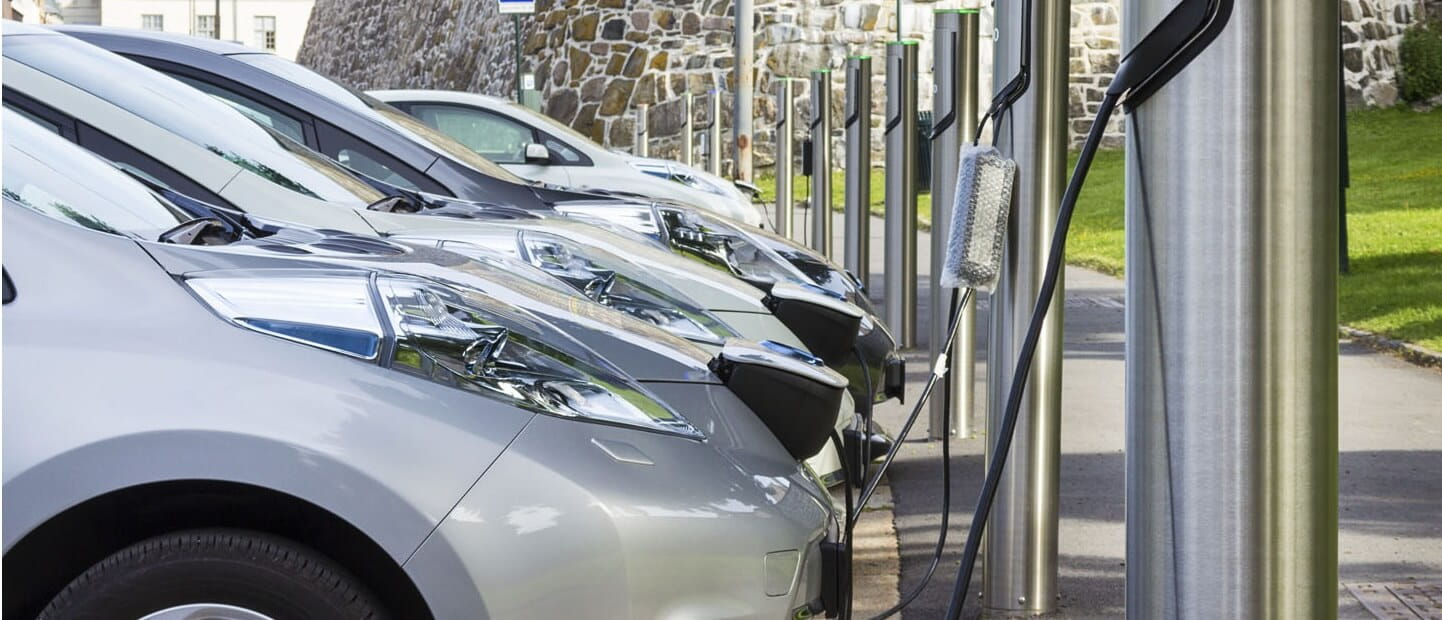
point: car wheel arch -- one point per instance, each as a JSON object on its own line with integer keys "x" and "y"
{"x": 65, "y": 545}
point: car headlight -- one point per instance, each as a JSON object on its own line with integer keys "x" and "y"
{"x": 678, "y": 174}
{"x": 711, "y": 240}
{"x": 612, "y": 283}
{"x": 600, "y": 276}
{"x": 452, "y": 336}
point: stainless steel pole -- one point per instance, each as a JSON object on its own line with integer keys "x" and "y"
{"x": 1231, "y": 211}
{"x": 900, "y": 276}
{"x": 713, "y": 133}
{"x": 954, "y": 108}
{"x": 1020, "y": 572}
{"x": 745, "y": 89}
{"x": 821, "y": 161}
{"x": 641, "y": 147}
{"x": 857, "y": 232}
{"x": 688, "y": 128}
{"x": 785, "y": 156}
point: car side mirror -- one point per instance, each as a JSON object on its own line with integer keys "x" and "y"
{"x": 537, "y": 154}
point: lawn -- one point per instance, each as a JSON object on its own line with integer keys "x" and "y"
{"x": 801, "y": 189}
{"x": 1394, "y": 222}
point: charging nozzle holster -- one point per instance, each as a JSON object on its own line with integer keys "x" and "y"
{"x": 835, "y": 576}
{"x": 894, "y": 385}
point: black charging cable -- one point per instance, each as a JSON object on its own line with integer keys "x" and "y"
{"x": 874, "y": 480}
{"x": 945, "y": 488}
{"x": 845, "y": 578}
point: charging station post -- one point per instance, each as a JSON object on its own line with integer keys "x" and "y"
{"x": 821, "y": 161}
{"x": 785, "y": 156}
{"x": 741, "y": 114}
{"x": 900, "y": 276}
{"x": 688, "y": 128}
{"x": 856, "y": 236}
{"x": 641, "y": 146}
{"x": 1020, "y": 571}
{"x": 1231, "y": 375}
{"x": 954, "y": 69}
{"x": 713, "y": 132}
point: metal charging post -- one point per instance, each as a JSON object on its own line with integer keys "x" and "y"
{"x": 1019, "y": 575}
{"x": 641, "y": 146}
{"x": 713, "y": 133}
{"x": 688, "y": 128}
{"x": 900, "y": 276}
{"x": 821, "y": 161}
{"x": 1231, "y": 313}
{"x": 785, "y": 156}
{"x": 741, "y": 113}
{"x": 857, "y": 234}
{"x": 955, "y": 74}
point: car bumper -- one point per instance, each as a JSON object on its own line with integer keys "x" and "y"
{"x": 588, "y": 520}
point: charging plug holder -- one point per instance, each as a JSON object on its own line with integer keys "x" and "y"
{"x": 826, "y": 325}
{"x": 793, "y": 392}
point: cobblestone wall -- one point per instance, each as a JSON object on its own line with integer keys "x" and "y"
{"x": 595, "y": 60}
{"x": 1371, "y": 30}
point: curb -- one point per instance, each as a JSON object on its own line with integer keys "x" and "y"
{"x": 1412, "y": 353}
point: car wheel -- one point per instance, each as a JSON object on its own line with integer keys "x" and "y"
{"x": 214, "y": 574}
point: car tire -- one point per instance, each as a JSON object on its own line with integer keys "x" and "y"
{"x": 215, "y": 573}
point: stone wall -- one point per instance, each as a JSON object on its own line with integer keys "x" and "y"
{"x": 1371, "y": 30}
{"x": 595, "y": 60}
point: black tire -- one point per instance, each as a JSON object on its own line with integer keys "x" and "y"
{"x": 259, "y": 572}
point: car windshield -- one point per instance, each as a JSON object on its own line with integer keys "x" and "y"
{"x": 192, "y": 115}
{"x": 49, "y": 174}
{"x": 377, "y": 110}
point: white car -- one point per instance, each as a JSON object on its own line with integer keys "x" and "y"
{"x": 538, "y": 147}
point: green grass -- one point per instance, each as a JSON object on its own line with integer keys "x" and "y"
{"x": 1394, "y": 225}
{"x": 1394, "y": 222}
{"x": 801, "y": 188}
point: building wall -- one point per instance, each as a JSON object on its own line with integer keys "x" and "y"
{"x": 237, "y": 17}
{"x": 595, "y": 60}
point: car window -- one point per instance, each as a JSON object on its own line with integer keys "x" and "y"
{"x": 364, "y": 164}
{"x": 561, "y": 153}
{"x": 9, "y": 294}
{"x": 48, "y": 174}
{"x": 498, "y": 139}
{"x": 377, "y": 110}
{"x": 286, "y": 124}
{"x": 44, "y": 123}
{"x": 192, "y": 115}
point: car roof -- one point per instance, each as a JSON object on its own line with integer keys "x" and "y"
{"x": 13, "y": 27}
{"x": 214, "y": 46}
{"x": 405, "y": 94}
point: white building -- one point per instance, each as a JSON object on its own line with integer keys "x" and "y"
{"x": 31, "y": 11}
{"x": 272, "y": 25}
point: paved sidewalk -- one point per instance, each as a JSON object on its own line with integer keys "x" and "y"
{"x": 1390, "y": 538}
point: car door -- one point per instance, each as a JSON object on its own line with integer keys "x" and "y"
{"x": 497, "y": 138}
{"x": 318, "y": 135}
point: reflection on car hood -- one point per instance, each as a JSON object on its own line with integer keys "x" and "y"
{"x": 639, "y": 349}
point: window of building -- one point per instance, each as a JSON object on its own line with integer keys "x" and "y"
{"x": 205, "y": 26}
{"x": 265, "y": 32}
{"x": 152, "y": 22}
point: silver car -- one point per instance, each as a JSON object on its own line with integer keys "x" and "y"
{"x": 206, "y": 149}
{"x": 539, "y": 148}
{"x": 262, "y": 436}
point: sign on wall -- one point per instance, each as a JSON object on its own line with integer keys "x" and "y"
{"x": 517, "y": 6}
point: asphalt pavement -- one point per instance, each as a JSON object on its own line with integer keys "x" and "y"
{"x": 1390, "y": 537}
